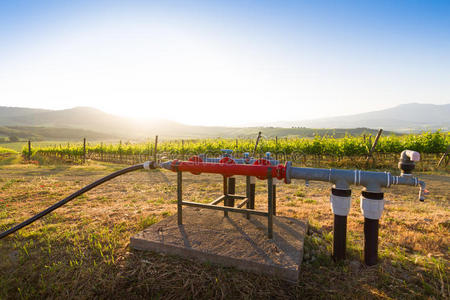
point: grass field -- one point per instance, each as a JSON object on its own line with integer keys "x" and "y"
{"x": 81, "y": 250}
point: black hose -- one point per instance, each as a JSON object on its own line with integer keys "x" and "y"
{"x": 74, "y": 195}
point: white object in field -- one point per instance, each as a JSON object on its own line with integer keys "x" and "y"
{"x": 371, "y": 208}
{"x": 340, "y": 205}
{"x": 147, "y": 165}
{"x": 413, "y": 155}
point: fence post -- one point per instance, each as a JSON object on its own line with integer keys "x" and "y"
{"x": 443, "y": 156}
{"x": 156, "y": 149}
{"x": 182, "y": 149}
{"x": 120, "y": 150}
{"x": 29, "y": 150}
{"x": 84, "y": 150}
{"x": 374, "y": 145}
{"x": 256, "y": 144}
{"x": 276, "y": 147}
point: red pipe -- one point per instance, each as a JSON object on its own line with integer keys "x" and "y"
{"x": 228, "y": 169}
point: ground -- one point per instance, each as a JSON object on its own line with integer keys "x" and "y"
{"x": 82, "y": 249}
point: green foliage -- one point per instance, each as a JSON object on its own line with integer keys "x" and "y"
{"x": 348, "y": 146}
{"x": 6, "y": 150}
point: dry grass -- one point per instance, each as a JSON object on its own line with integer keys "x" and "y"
{"x": 81, "y": 250}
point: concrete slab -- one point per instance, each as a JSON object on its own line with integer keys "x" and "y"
{"x": 208, "y": 236}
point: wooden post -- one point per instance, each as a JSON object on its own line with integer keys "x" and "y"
{"x": 148, "y": 150}
{"x": 84, "y": 150}
{"x": 101, "y": 151}
{"x": 443, "y": 156}
{"x": 120, "y": 150}
{"x": 256, "y": 144}
{"x": 374, "y": 145}
{"x": 276, "y": 147}
{"x": 156, "y": 149}
{"x": 182, "y": 149}
{"x": 29, "y": 150}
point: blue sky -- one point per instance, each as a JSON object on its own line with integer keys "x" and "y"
{"x": 191, "y": 61}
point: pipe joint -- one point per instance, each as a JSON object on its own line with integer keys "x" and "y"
{"x": 372, "y": 205}
{"x": 149, "y": 165}
{"x": 340, "y": 201}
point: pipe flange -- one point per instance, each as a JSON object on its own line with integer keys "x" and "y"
{"x": 287, "y": 170}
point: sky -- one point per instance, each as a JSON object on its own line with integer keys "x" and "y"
{"x": 224, "y": 62}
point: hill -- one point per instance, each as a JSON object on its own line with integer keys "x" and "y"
{"x": 402, "y": 118}
{"x": 52, "y": 133}
{"x": 95, "y": 124}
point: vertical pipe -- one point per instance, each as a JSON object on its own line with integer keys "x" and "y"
{"x": 247, "y": 194}
{"x": 270, "y": 205}
{"x": 274, "y": 198}
{"x": 340, "y": 205}
{"x": 371, "y": 241}
{"x": 179, "y": 197}
{"x": 231, "y": 190}
{"x": 252, "y": 190}
{"x": 339, "y": 237}
{"x": 372, "y": 205}
{"x": 225, "y": 193}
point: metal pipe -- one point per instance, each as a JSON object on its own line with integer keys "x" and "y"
{"x": 231, "y": 191}
{"x": 372, "y": 205}
{"x": 371, "y": 241}
{"x": 270, "y": 204}
{"x": 342, "y": 179}
{"x": 340, "y": 205}
{"x": 180, "y": 197}
{"x": 226, "y": 208}
{"x": 247, "y": 194}
{"x": 225, "y": 169}
{"x": 225, "y": 193}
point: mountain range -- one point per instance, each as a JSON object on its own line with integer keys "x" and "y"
{"x": 410, "y": 117}
{"x": 89, "y": 122}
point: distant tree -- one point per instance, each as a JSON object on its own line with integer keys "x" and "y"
{"x": 13, "y": 138}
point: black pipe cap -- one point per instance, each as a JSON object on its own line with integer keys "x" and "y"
{"x": 341, "y": 193}
{"x": 373, "y": 196}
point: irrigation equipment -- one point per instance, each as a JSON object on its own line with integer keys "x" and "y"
{"x": 372, "y": 196}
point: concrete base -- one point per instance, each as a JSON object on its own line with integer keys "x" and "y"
{"x": 208, "y": 236}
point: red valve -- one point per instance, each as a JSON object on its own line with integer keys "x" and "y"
{"x": 261, "y": 162}
{"x": 196, "y": 159}
{"x": 227, "y": 160}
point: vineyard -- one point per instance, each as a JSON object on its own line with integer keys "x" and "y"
{"x": 325, "y": 151}
{"x": 6, "y": 150}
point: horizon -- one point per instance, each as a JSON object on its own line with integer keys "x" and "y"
{"x": 224, "y": 63}
{"x": 248, "y": 125}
